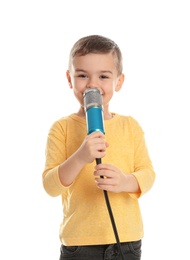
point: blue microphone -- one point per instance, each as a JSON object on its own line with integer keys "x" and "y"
{"x": 94, "y": 112}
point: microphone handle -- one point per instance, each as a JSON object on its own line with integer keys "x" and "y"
{"x": 98, "y": 161}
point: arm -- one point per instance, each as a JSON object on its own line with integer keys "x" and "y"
{"x": 93, "y": 146}
{"x": 137, "y": 175}
{"x": 60, "y": 172}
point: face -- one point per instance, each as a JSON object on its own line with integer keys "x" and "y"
{"x": 94, "y": 71}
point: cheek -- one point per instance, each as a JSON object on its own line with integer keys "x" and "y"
{"x": 78, "y": 84}
{"x": 107, "y": 97}
{"x": 78, "y": 95}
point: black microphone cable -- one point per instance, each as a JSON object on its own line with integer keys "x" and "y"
{"x": 99, "y": 161}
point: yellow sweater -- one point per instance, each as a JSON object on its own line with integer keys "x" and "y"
{"x": 85, "y": 216}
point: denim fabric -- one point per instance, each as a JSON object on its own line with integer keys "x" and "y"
{"x": 131, "y": 251}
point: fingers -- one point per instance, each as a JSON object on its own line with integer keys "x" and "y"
{"x": 104, "y": 169}
{"x": 112, "y": 177}
{"x": 107, "y": 184}
{"x": 96, "y": 143}
{"x": 93, "y": 146}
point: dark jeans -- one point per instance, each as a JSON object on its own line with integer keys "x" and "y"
{"x": 131, "y": 251}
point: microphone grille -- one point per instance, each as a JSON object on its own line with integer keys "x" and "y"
{"x": 92, "y": 97}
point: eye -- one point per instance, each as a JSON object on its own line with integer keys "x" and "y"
{"x": 104, "y": 77}
{"x": 82, "y": 76}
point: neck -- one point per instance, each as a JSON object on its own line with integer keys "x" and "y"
{"x": 108, "y": 116}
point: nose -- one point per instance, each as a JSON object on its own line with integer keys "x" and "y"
{"x": 92, "y": 83}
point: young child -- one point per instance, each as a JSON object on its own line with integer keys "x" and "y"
{"x": 71, "y": 171}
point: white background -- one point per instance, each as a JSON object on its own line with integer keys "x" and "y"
{"x": 36, "y": 37}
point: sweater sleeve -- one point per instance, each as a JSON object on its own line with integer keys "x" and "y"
{"x": 143, "y": 169}
{"x": 54, "y": 156}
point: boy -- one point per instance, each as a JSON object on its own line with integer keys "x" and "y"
{"x": 70, "y": 169}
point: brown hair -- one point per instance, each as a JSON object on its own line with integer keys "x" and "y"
{"x": 97, "y": 44}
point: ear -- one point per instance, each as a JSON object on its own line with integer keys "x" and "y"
{"x": 120, "y": 82}
{"x": 69, "y": 78}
